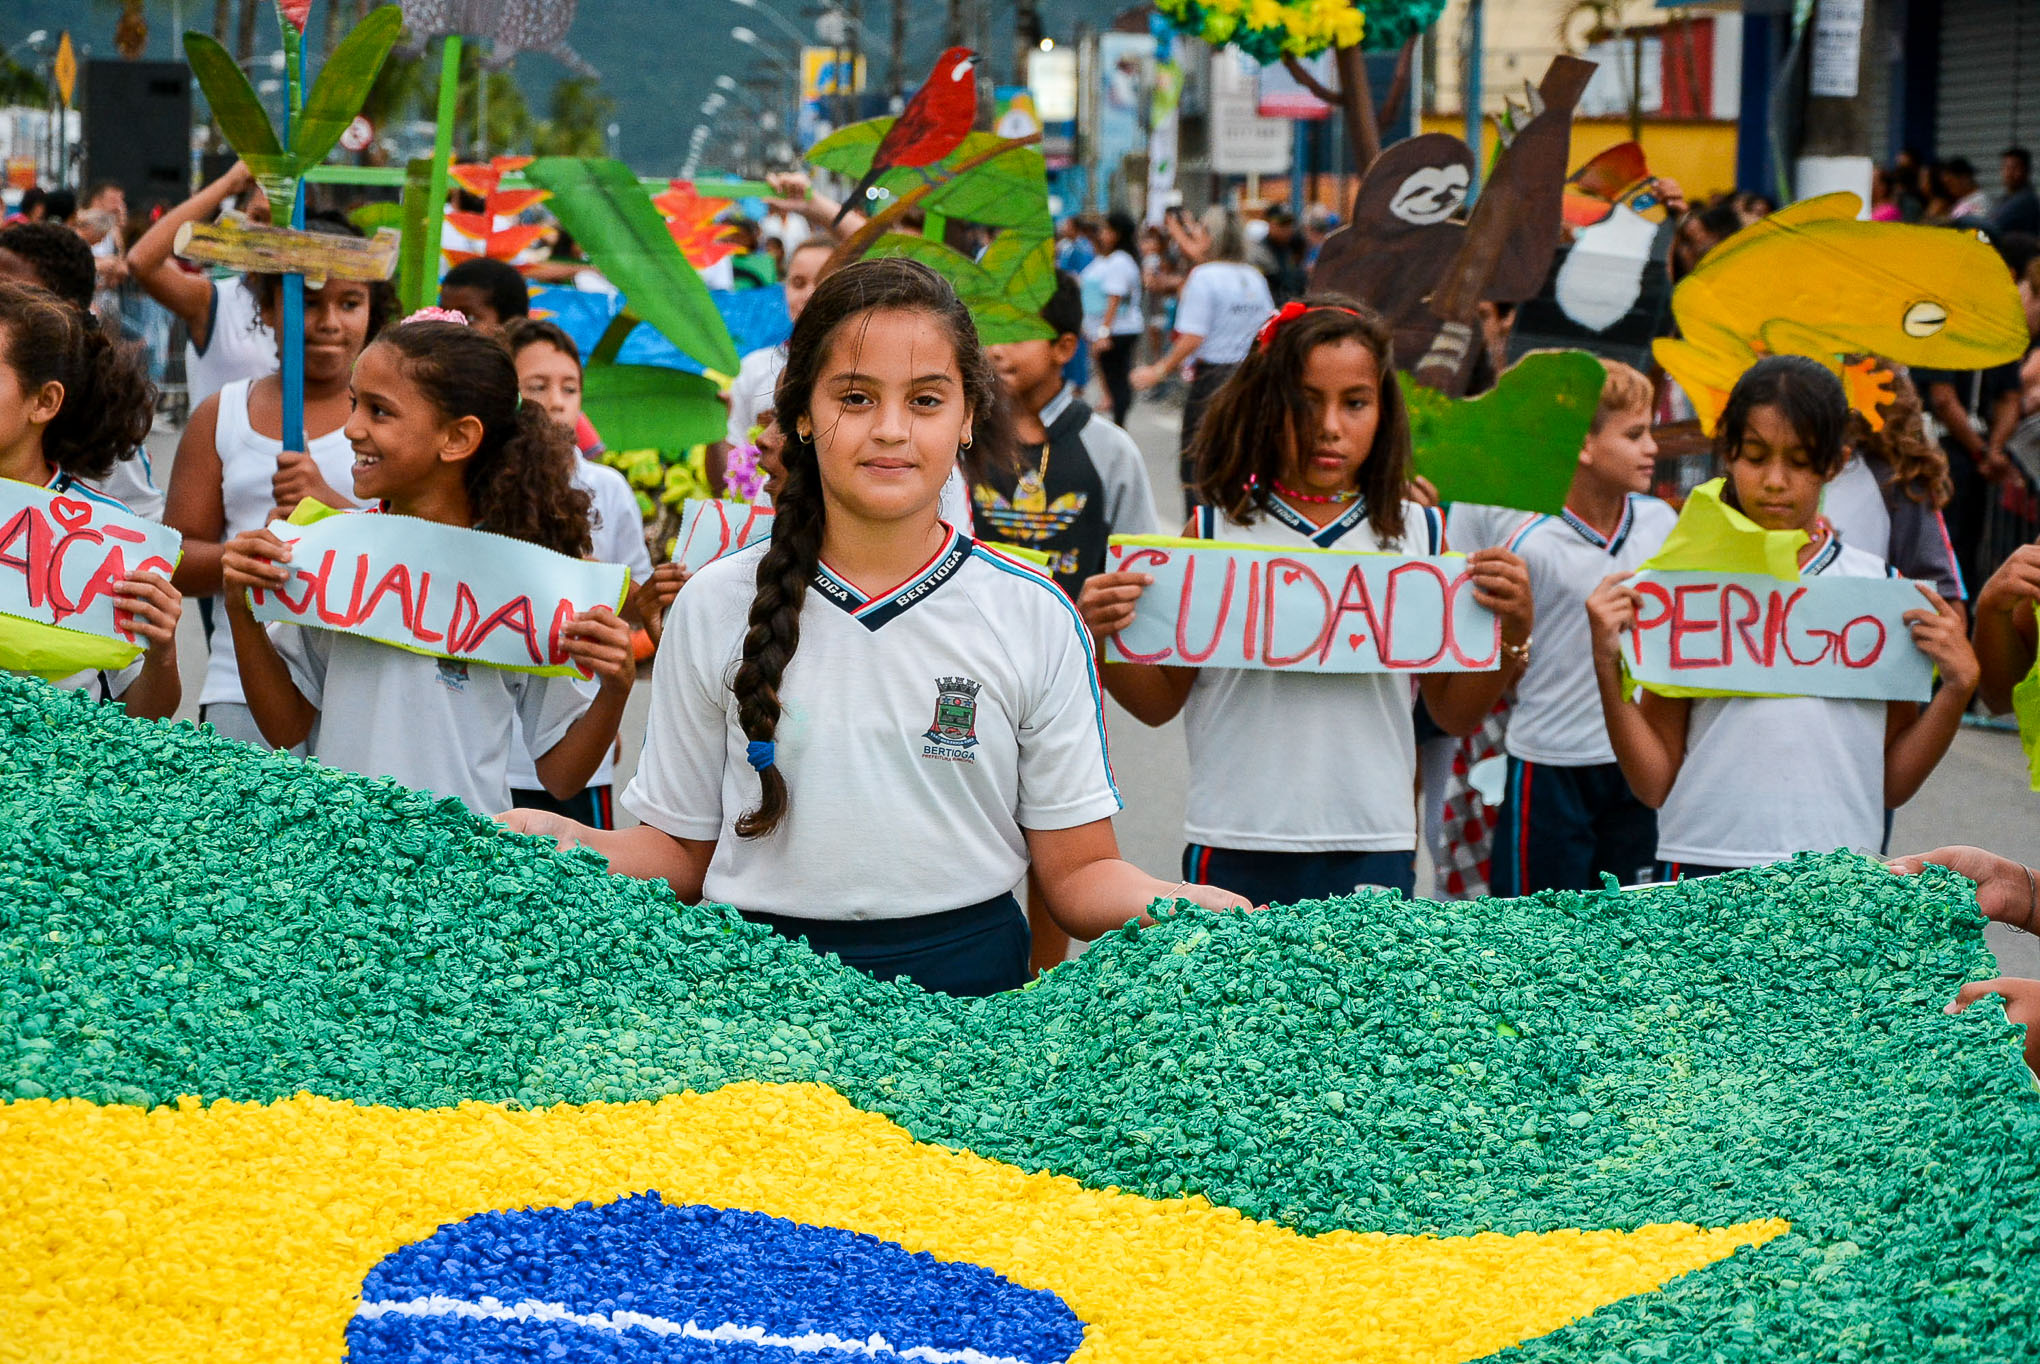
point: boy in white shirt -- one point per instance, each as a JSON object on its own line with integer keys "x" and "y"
{"x": 1567, "y": 814}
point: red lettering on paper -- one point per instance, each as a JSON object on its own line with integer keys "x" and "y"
{"x": 1253, "y": 610}
{"x": 397, "y": 580}
{"x": 1784, "y": 611}
{"x": 352, "y": 615}
{"x": 1131, "y": 563}
{"x": 1752, "y": 613}
{"x": 1293, "y": 572}
{"x": 514, "y": 615}
{"x": 1462, "y": 582}
{"x": 103, "y": 581}
{"x": 555, "y": 646}
{"x": 458, "y": 627}
{"x": 1647, "y": 591}
{"x": 1354, "y": 596}
{"x": 29, "y": 528}
{"x": 1876, "y": 648}
{"x": 1395, "y": 576}
{"x": 1232, "y": 567}
{"x": 418, "y": 629}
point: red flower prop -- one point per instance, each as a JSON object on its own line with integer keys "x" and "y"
{"x": 485, "y": 183}
{"x": 691, "y": 219}
{"x": 296, "y": 12}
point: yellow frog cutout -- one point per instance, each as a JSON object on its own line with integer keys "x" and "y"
{"x": 1814, "y": 280}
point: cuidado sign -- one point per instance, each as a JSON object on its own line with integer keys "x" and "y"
{"x": 1217, "y": 605}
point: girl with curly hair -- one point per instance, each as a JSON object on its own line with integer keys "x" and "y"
{"x": 439, "y": 433}
{"x": 73, "y": 401}
{"x": 864, "y": 729}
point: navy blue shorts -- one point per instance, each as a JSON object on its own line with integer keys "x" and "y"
{"x": 977, "y": 950}
{"x": 1561, "y": 827}
{"x": 1687, "y": 871}
{"x": 1288, "y": 878}
{"x": 594, "y": 806}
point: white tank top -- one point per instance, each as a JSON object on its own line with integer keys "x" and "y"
{"x": 1766, "y": 777}
{"x": 1300, "y": 762}
{"x": 237, "y": 345}
{"x": 247, "y": 468}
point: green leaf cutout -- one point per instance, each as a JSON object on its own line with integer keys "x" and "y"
{"x": 1518, "y": 444}
{"x": 235, "y": 105}
{"x": 1001, "y": 313}
{"x": 343, "y": 85}
{"x": 1008, "y": 191}
{"x": 371, "y": 218}
{"x": 650, "y": 407}
{"x": 1023, "y": 264}
{"x": 601, "y": 203}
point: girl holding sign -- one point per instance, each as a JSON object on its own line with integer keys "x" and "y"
{"x": 1741, "y": 781}
{"x": 1302, "y": 785}
{"x": 232, "y": 471}
{"x": 72, "y": 402}
{"x": 865, "y": 728}
{"x": 439, "y": 433}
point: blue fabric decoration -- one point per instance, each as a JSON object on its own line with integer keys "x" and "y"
{"x": 760, "y": 752}
{"x": 755, "y": 317}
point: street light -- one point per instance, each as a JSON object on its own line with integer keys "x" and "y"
{"x": 785, "y": 24}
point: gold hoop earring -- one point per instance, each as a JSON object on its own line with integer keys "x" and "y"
{"x": 966, "y": 442}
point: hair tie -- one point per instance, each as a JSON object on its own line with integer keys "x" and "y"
{"x": 760, "y": 753}
{"x": 1287, "y": 314}
{"x": 457, "y": 318}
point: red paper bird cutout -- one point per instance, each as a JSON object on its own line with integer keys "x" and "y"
{"x": 691, "y": 220}
{"x": 484, "y": 182}
{"x": 934, "y": 123}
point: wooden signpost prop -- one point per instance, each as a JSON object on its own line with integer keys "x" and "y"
{"x": 1217, "y": 605}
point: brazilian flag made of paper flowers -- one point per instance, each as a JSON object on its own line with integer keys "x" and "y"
{"x": 299, "y": 1066}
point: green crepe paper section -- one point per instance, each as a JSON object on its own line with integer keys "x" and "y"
{"x": 1010, "y": 190}
{"x": 311, "y": 511}
{"x": 1769, "y": 1043}
{"x": 1712, "y": 537}
{"x": 1517, "y": 445}
{"x": 1389, "y": 24}
{"x": 2026, "y": 706}
{"x": 605, "y": 208}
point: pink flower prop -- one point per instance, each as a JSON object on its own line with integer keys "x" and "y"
{"x": 296, "y": 11}
{"x": 458, "y": 319}
{"x": 741, "y": 474}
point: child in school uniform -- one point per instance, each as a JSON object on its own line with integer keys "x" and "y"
{"x": 549, "y": 374}
{"x": 233, "y": 475}
{"x": 439, "y": 433}
{"x": 72, "y": 402}
{"x": 1080, "y": 480}
{"x": 1567, "y": 814}
{"x": 866, "y": 728}
{"x": 1302, "y": 786}
{"x": 1742, "y": 781}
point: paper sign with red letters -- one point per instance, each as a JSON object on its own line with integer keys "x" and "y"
{"x": 710, "y": 529}
{"x": 61, "y": 556}
{"x": 1215, "y": 605}
{"x": 1750, "y": 634}
{"x": 437, "y": 590}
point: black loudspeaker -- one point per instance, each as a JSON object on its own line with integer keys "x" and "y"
{"x": 138, "y": 129}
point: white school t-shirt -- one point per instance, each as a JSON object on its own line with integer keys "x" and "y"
{"x": 433, "y": 724}
{"x": 1109, "y": 277}
{"x": 619, "y": 538}
{"x": 924, "y": 729}
{"x": 1305, "y": 762}
{"x": 247, "y": 494}
{"x": 1225, "y": 302}
{"x": 751, "y": 391}
{"x": 237, "y": 345}
{"x": 1557, "y": 719}
{"x": 1767, "y": 777}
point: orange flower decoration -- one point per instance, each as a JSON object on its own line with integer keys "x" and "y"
{"x": 691, "y": 219}
{"x": 485, "y": 183}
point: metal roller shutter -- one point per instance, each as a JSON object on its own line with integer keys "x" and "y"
{"x": 1990, "y": 82}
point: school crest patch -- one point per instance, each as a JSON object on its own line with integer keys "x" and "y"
{"x": 955, "y": 725}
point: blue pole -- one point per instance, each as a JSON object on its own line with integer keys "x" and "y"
{"x": 1299, "y": 164}
{"x": 1471, "y": 96}
{"x": 294, "y": 306}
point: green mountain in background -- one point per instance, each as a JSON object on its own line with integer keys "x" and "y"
{"x": 658, "y": 58}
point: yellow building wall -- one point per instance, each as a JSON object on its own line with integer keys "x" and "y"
{"x": 1698, "y": 153}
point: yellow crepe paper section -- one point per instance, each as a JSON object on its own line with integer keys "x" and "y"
{"x": 1038, "y": 557}
{"x": 243, "y": 1231}
{"x": 1713, "y": 537}
{"x": 311, "y": 511}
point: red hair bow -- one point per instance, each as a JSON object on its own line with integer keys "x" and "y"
{"x": 1288, "y": 313}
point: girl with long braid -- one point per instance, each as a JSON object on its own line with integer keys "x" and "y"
{"x": 864, "y": 729}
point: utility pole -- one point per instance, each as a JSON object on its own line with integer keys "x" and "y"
{"x": 1834, "y": 146}
{"x": 953, "y": 34}
{"x": 1026, "y": 37}
{"x": 896, "y": 68}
